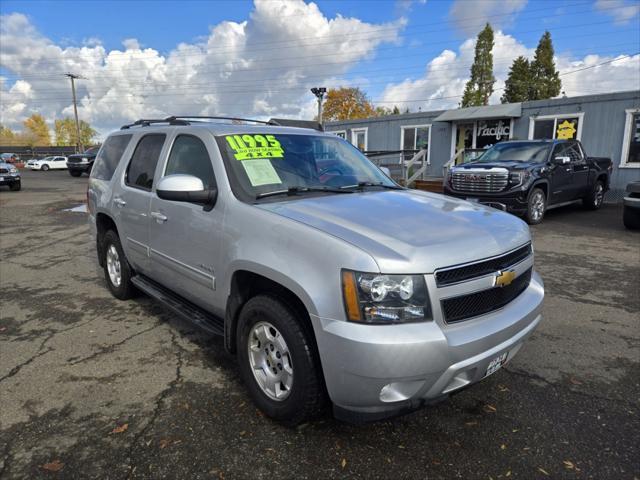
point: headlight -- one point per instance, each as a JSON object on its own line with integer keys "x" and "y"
{"x": 85, "y": 160}
{"x": 13, "y": 170}
{"x": 378, "y": 298}
{"x": 516, "y": 178}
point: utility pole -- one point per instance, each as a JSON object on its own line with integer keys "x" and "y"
{"x": 319, "y": 93}
{"x": 73, "y": 77}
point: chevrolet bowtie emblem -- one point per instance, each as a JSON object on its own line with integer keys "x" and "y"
{"x": 504, "y": 278}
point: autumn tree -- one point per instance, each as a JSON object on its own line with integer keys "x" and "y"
{"x": 65, "y": 131}
{"x": 545, "y": 78}
{"x": 480, "y": 86}
{"x": 347, "y": 103}
{"x": 517, "y": 87}
{"x": 36, "y": 127}
{"x": 7, "y": 136}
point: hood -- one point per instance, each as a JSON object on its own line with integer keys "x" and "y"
{"x": 509, "y": 164}
{"x": 409, "y": 231}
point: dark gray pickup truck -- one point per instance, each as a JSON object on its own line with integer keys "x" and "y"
{"x": 528, "y": 177}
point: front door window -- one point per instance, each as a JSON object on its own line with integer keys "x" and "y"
{"x": 359, "y": 139}
{"x": 414, "y": 139}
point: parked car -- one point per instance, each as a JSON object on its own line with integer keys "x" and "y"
{"x": 9, "y": 157}
{"x": 10, "y": 176}
{"x": 80, "y": 163}
{"x": 383, "y": 297}
{"x": 29, "y": 163}
{"x": 529, "y": 177}
{"x": 50, "y": 163}
{"x": 631, "y": 208}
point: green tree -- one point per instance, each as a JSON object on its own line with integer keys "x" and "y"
{"x": 7, "y": 137}
{"x": 545, "y": 78}
{"x": 37, "y": 128}
{"x": 347, "y": 103}
{"x": 517, "y": 87}
{"x": 65, "y": 130}
{"x": 480, "y": 86}
{"x": 395, "y": 111}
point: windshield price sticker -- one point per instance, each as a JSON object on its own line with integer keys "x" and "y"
{"x": 247, "y": 147}
{"x": 261, "y": 172}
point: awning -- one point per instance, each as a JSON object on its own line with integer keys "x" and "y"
{"x": 507, "y": 110}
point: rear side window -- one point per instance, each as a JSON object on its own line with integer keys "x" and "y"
{"x": 189, "y": 156}
{"x": 107, "y": 161}
{"x": 144, "y": 160}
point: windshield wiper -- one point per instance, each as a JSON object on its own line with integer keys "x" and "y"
{"x": 361, "y": 186}
{"x": 298, "y": 190}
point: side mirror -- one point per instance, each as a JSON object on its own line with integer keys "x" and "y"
{"x": 561, "y": 160}
{"x": 386, "y": 171}
{"x": 186, "y": 188}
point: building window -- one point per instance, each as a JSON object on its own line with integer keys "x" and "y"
{"x": 491, "y": 132}
{"x": 551, "y": 127}
{"x": 359, "y": 138}
{"x": 631, "y": 146}
{"x": 340, "y": 133}
{"x": 413, "y": 138}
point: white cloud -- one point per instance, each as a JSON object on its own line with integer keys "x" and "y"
{"x": 261, "y": 67}
{"x": 445, "y": 76}
{"x": 621, "y": 11}
{"x": 470, "y": 16}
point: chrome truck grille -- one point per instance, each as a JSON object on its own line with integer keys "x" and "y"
{"x": 480, "y": 180}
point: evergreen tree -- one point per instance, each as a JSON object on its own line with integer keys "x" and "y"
{"x": 480, "y": 86}
{"x": 517, "y": 87}
{"x": 396, "y": 110}
{"x": 545, "y": 78}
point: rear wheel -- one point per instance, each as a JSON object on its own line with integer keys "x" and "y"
{"x": 44, "y": 167}
{"x": 593, "y": 201}
{"x": 117, "y": 271}
{"x": 15, "y": 186}
{"x": 75, "y": 173}
{"x": 536, "y": 207}
{"x": 278, "y": 362}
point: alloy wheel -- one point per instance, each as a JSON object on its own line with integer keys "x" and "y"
{"x": 537, "y": 206}
{"x": 270, "y": 361}
{"x": 113, "y": 266}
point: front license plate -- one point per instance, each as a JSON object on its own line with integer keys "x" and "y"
{"x": 496, "y": 363}
{"x": 472, "y": 199}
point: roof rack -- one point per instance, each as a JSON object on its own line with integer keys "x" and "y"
{"x": 145, "y": 122}
{"x": 205, "y": 117}
{"x": 188, "y": 120}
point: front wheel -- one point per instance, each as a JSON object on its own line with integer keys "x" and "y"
{"x": 631, "y": 218}
{"x": 593, "y": 201}
{"x": 15, "y": 186}
{"x": 75, "y": 173}
{"x": 536, "y": 207}
{"x": 44, "y": 168}
{"x": 278, "y": 361}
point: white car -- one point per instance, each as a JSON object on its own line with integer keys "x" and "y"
{"x": 49, "y": 163}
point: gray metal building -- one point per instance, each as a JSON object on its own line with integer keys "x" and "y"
{"x": 607, "y": 124}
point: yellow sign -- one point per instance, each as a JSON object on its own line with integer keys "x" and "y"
{"x": 566, "y": 130}
{"x": 502, "y": 279}
{"x": 247, "y": 147}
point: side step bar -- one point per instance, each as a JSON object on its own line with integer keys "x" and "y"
{"x": 180, "y": 306}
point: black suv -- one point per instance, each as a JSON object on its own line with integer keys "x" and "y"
{"x": 80, "y": 163}
{"x": 528, "y": 177}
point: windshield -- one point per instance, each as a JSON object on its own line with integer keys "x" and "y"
{"x": 516, "y": 152}
{"x": 263, "y": 164}
{"x": 92, "y": 150}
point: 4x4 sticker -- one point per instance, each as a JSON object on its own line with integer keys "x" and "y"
{"x": 247, "y": 147}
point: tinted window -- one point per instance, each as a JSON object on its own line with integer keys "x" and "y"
{"x": 543, "y": 129}
{"x": 189, "y": 156}
{"x": 109, "y": 157}
{"x": 144, "y": 160}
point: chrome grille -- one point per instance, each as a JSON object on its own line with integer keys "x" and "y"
{"x": 480, "y": 181}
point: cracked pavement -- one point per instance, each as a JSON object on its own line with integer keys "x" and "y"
{"x": 77, "y": 365}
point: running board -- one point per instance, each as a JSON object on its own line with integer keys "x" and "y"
{"x": 180, "y": 306}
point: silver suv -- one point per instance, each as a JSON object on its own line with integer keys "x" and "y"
{"x": 326, "y": 279}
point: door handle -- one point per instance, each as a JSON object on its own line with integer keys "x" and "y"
{"x": 160, "y": 218}
{"x": 119, "y": 202}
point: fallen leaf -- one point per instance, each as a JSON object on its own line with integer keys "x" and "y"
{"x": 568, "y": 464}
{"x": 53, "y": 466}
{"x": 121, "y": 428}
{"x": 2, "y": 329}
{"x": 490, "y": 408}
{"x": 343, "y": 463}
{"x": 508, "y": 474}
{"x": 243, "y": 433}
{"x": 543, "y": 471}
{"x": 400, "y": 446}
{"x": 388, "y": 460}
{"x": 574, "y": 381}
{"x": 503, "y": 447}
{"x": 514, "y": 430}
{"x": 502, "y": 388}
{"x": 164, "y": 443}
{"x": 470, "y": 424}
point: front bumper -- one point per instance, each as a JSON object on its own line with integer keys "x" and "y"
{"x": 631, "y": 202}
{"x": 514, "y": 201}
{"x": 9, "y": 179}
{"x": 376, "y": 371}
{"x": 79, "y": 167}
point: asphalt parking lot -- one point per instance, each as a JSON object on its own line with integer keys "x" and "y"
{"x": 91, "y": 387}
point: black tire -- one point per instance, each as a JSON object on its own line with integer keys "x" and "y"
{"x": 15, "y": 186}
{"x": 631, "y": 218}
{"x": 44, "y": 167}
{"x": 593, "y": 201}
{"x": 533, "y": 215}
{"x": 75, "y": 173}
{"x": 306, "y": 396}
{"x": 125, "y": 290}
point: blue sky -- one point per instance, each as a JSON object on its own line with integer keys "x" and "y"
{"x": 420, "y": 35}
